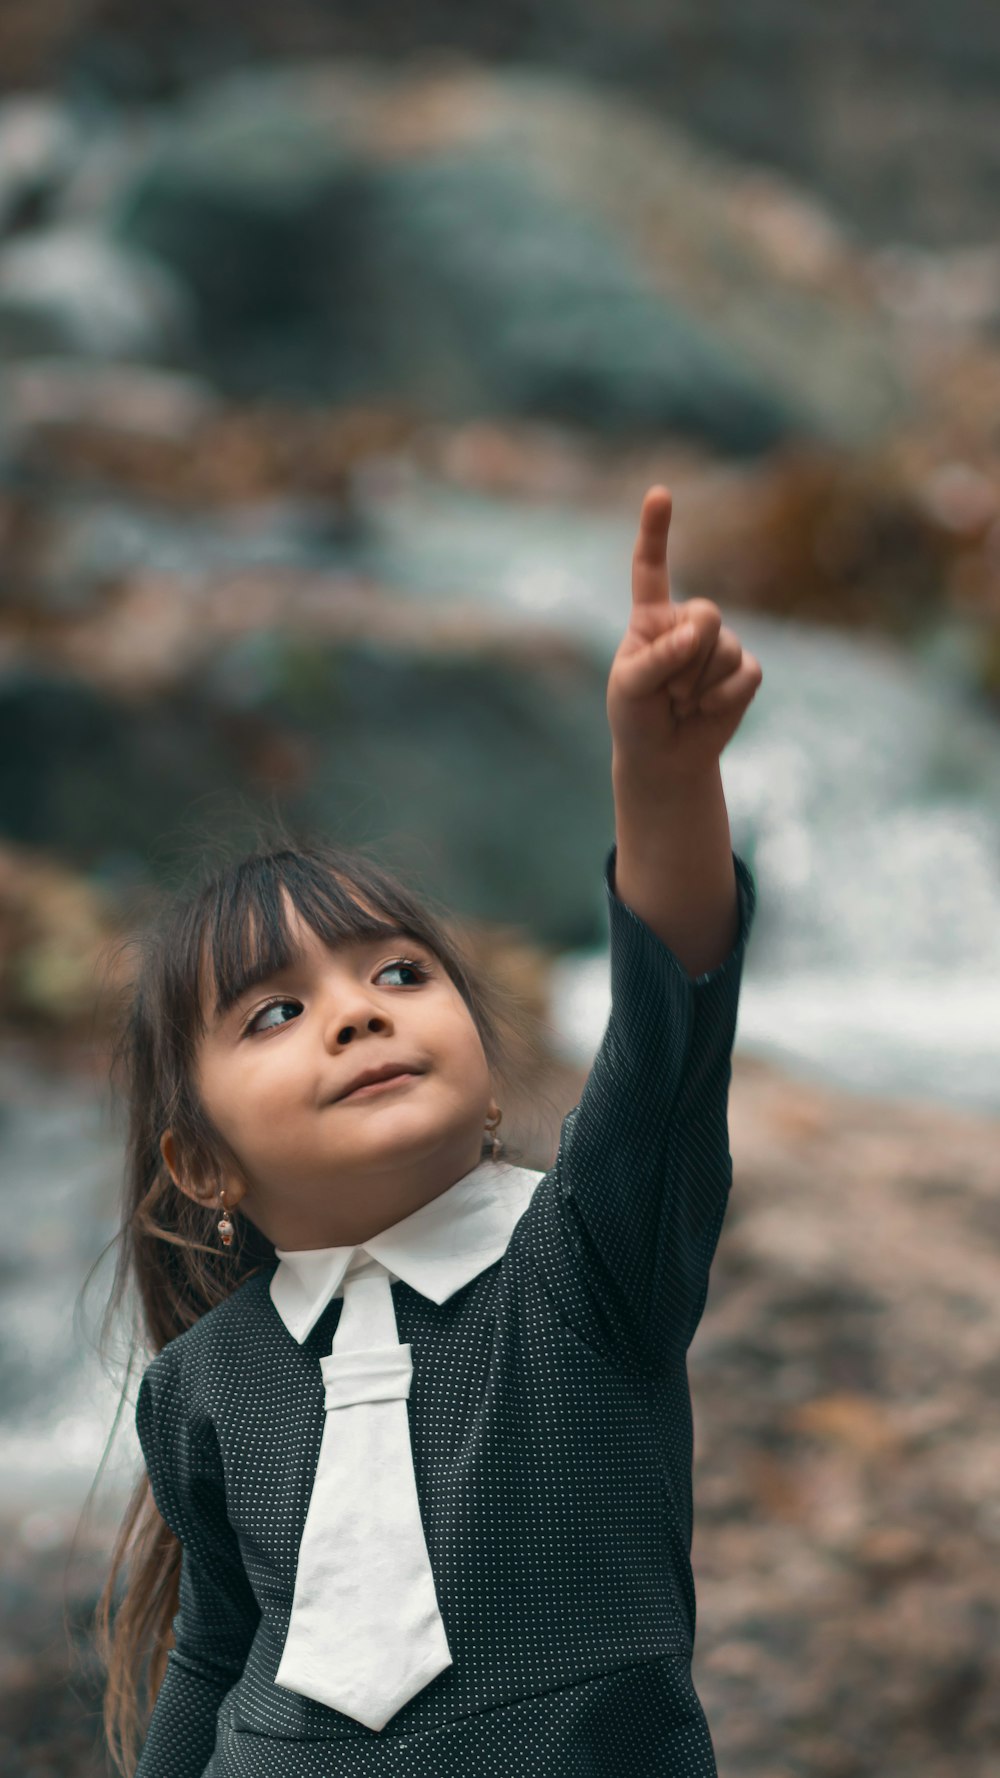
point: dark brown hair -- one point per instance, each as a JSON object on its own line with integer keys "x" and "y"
{"x": 230, "y": 924}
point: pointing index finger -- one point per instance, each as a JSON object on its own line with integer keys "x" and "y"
{"x": 649, "y": 558}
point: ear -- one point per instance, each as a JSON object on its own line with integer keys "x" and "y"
{"x": 207, "y": 1192}
{"x": 168, "y": 1150}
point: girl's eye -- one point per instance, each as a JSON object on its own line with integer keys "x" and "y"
{"x": 420, "y": 969}
{"x": 255, "y": 1025}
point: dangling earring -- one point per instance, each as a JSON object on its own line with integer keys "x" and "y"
{"x": 491, "y": 1129}
{"x": 225, "y": 1226}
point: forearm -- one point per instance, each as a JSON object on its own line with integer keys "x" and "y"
{"x": 180, "y": 1739}
{"x": 674, "y": 863}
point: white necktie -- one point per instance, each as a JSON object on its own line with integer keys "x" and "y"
{"x": 365, "y": 1633}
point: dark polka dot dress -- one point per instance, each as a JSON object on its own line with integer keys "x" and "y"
{"x": 550, "y": 1419}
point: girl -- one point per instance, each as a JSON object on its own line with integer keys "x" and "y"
{"x": 456, "y": 1539}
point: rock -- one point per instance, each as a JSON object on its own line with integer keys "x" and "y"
{"x": 92, "y": 545}
{"x": 134, "y": 402}
{"x": 772, "y": 277}
{"x": 84, "y": 775}
{"x": 67, "y": 291}
{"x": 510, "y": 243}
{"x": 511, "y": 742}
{"x": 248, "y": 197}
{"x": 39, "y": 141}
{"x": 957, "y": 291}
{"x": 893, "y": 117}
{"x": 839, "y": 537}
{"x": 845, "y": 1468}
{"x": 54, "y": 927}
{"x": 524, "y": 305}
{"x": 330, "y": 261}
{"x": 169, "y": 441}
{"x": 51, "y": 1682}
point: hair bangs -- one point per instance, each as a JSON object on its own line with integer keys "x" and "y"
{"x": 248, "y": 936}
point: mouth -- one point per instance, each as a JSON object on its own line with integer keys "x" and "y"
{"x": 371, "y": 1087}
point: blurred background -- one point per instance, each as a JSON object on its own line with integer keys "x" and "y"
{"x": 338, "y": 346}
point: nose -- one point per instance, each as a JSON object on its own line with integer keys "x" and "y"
{"x": 352, "y": 1015}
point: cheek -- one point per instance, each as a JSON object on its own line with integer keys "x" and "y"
{"x": 243, "y": 1092}
{"x": 470, "y": 1062}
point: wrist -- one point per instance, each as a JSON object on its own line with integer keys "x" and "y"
{"x": 635, "y": 781}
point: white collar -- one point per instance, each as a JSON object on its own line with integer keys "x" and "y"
{"x": 435, "y": 1249}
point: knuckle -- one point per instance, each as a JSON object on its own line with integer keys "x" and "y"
{"x": 703, "y": 609}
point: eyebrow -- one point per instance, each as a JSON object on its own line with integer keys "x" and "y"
{"x": 250, "y": 978}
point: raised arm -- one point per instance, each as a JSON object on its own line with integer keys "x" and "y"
{"x": 678, "y": 689}
{"x": 625, "y": 1225}
{"x": 627, "y": 1222}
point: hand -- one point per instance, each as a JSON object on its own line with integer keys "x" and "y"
{"x": 673, "y": 705}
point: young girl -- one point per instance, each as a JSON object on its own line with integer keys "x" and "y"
{"x": 455, "y": 1540}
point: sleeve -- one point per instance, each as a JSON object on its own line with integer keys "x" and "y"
{"x": 632, "y": 1208}
{"x": 218, "y": 1613}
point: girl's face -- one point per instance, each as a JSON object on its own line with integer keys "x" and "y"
{"x": 318, "y": 1169}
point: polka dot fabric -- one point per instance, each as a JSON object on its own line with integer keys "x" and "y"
{"x": 550, "y": 1418}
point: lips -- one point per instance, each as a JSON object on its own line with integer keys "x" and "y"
{"x": 372, "y": 1076}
